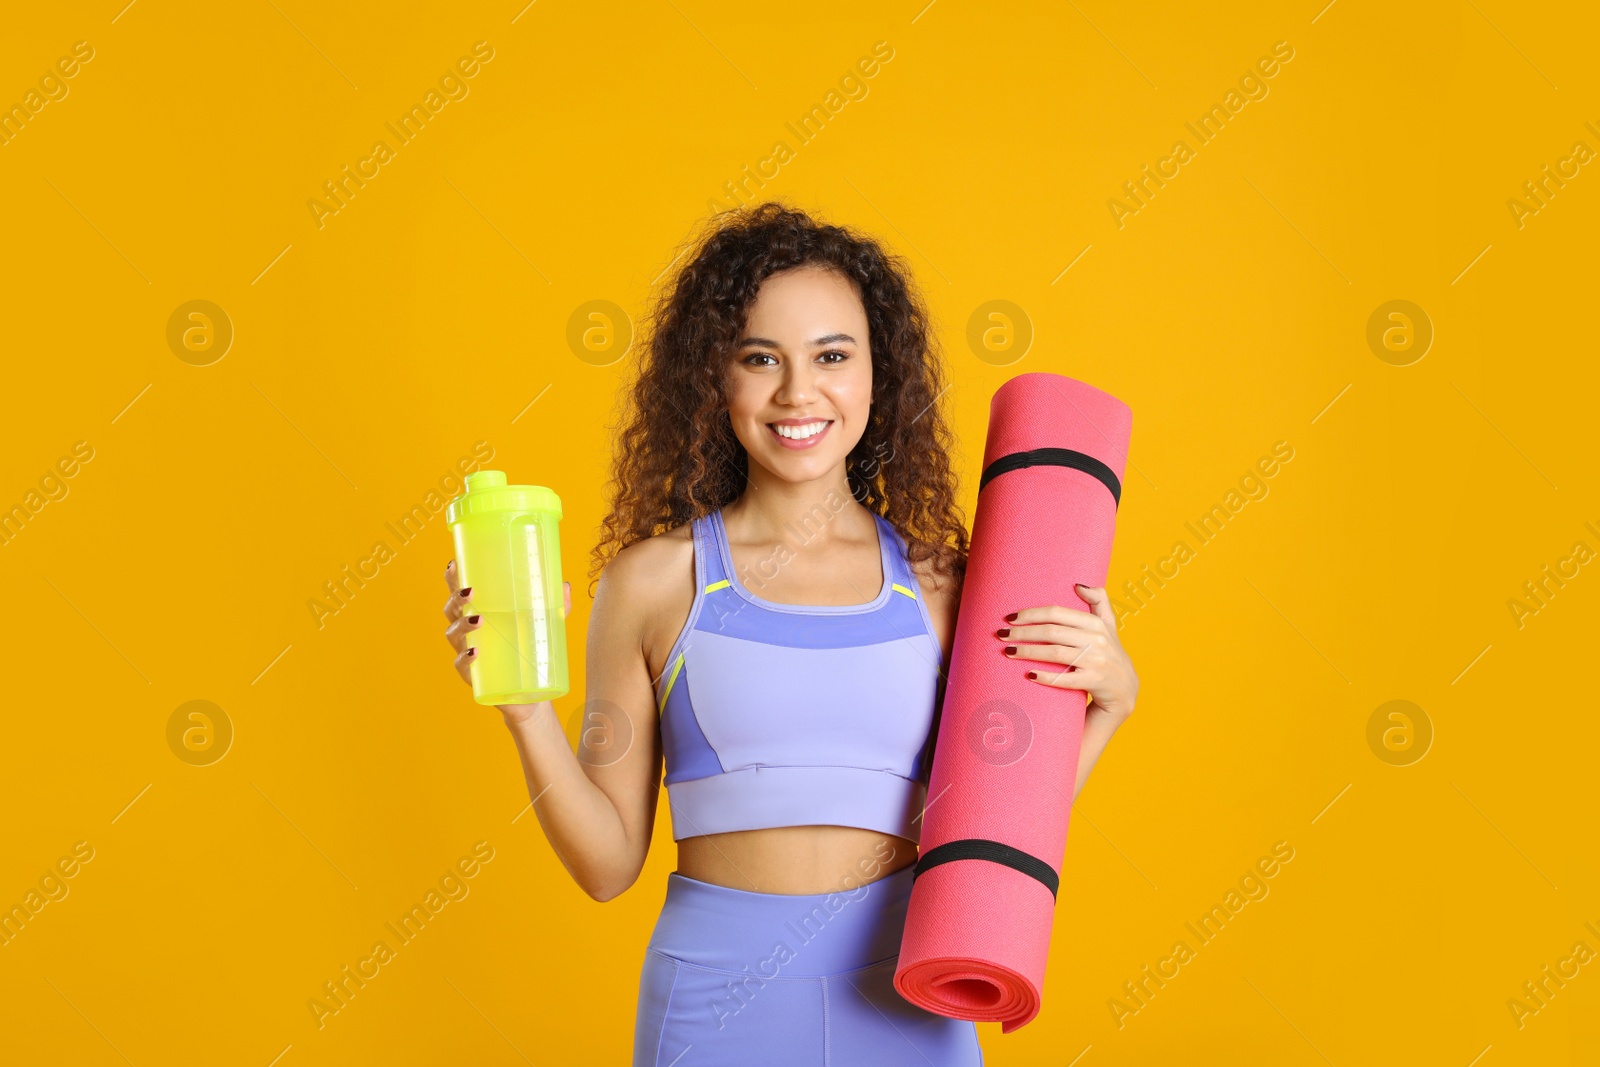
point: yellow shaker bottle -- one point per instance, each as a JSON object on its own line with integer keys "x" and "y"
{"x": 508, "y": 549}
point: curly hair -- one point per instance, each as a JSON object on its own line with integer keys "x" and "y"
{"x": 668, "y": 471}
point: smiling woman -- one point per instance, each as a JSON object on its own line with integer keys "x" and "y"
{"x": 795, "y": 722}
{"x": 778, "y": 581}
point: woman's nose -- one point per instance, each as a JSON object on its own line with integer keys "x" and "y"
{"x": 797, "y": 387}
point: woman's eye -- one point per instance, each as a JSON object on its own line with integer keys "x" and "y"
{"x": 832, "y": 363}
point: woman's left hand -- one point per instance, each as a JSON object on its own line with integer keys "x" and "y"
{"x": 1084, "y": 644}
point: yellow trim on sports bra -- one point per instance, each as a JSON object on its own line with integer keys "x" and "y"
{"x": 676, "y": 667}
{"x": 724, "y": 584}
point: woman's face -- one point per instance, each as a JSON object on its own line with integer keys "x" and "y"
{"x": 803, "y": 363}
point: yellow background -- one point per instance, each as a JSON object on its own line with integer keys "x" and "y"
{"x": 372, "y": 352}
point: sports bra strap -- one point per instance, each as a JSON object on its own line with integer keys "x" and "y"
{"x": 712, "y": 575}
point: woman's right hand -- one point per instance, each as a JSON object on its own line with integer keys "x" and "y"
{"x": 460, "y": 624}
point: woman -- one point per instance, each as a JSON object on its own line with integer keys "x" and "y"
{"x": 774, "y": 626}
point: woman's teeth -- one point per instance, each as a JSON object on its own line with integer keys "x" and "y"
{"x": 799, "y": 433}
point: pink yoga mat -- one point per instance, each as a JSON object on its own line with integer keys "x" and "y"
{"x": 994, "y": 827}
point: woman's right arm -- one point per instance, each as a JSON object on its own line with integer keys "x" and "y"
{"x": 597, "y": 805}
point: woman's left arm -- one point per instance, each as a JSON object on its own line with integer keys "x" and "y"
{"x": 1085, "y": 644}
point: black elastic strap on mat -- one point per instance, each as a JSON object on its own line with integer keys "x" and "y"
{"x": 977, "y": 848}
{"x": 1060, "y": 457}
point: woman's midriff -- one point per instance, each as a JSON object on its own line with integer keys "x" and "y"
{"x": 794, "y": 859}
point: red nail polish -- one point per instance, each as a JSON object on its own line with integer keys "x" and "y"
{"x": 1033, "y": 674}
{"x": 1004, "y": 631}
{"x": 1010, "y": 649}
{"x": 466, "y": 592}
{"x": 1012, "y": 617}
{"x": 473, "y": 619}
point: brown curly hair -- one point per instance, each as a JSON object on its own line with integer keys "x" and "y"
{"x": 668, "y": 471}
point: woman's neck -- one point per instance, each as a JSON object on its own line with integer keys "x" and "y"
{"x": 803, "y": 517}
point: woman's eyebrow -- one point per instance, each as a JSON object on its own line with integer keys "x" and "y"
{"x": 832, "y": 338}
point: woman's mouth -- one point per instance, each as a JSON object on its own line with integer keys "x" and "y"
{"x": 800, "y": 437}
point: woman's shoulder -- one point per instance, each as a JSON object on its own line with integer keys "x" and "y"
{"x": 652, "y": 581}
{"x": 653, "y": 563}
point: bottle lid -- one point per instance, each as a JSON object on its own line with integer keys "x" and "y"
{"x": 487, "y": 491}
{"x": 485, "y": 480}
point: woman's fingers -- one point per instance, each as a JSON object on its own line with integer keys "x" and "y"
{"x": 1084, "y": 680}
{"x": 464, "y": 664}
{"x": 1100, "y": 604}
{"x": 1073, "y": 651}
{"x": 456, "y": 632}
{"x": 1100, "y": 616}
{"x": 460, "y": 623}
{"x": 1050, "y": 633}
{"x": 458, "y": 601}
{"x": 1062, "y": 616}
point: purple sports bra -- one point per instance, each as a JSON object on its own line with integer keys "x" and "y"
{"x": 795, "y": 715}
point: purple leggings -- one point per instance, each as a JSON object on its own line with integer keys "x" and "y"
{"x": 738, "y": 978}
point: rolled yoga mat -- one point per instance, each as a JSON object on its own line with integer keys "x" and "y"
{"x": 994, "y": 826}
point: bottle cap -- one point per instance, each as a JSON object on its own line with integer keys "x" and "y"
{"x": 487, "y": 491}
